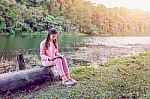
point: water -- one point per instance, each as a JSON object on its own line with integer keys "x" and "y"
{"x": 118, "y": 41}
{"x": 10, "y": 44}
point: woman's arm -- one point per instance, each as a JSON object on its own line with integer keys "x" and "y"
{"x": 43, "y": 55}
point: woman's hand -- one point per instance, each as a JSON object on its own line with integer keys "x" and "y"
{"x": 53, "y": 58}
{"x": 50, "y": 58}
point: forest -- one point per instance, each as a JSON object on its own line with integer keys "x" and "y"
{"x": 28, "y": 16}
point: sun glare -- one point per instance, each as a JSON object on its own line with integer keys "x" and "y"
{"x": 131, "y": 4}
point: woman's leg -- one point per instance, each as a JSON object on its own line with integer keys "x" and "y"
{"x": 48, "y": 63}
{"x": 60, "y": 69}
{"x": 66, "y": 70}
{"x": 65, "y": 67}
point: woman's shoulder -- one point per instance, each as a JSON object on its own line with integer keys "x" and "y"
{"x": 43, "y": 42}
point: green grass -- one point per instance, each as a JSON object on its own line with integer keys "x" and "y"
{"x": 123, "y": 78}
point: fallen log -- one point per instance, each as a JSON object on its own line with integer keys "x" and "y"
{"x": 23, "y": 78}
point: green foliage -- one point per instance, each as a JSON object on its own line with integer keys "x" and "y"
{"x": 11, "y": 30}
{"x": 93, "y": 29}
{"x": 29, "y": 21}
{"x": 31, "y": 17}
{"x": 4, "y": 2}
{"x": 2, "y": 25}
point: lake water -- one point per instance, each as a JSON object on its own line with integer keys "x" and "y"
{"x": 118, "y": 41}
{"x": 10, "y": 44}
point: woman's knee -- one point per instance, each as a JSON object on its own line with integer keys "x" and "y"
{"x": 48, "y": 63}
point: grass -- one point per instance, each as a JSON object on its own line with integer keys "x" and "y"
{"x": 123, "y": 78}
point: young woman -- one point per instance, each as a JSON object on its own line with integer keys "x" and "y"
{"x": 50, "y": 56}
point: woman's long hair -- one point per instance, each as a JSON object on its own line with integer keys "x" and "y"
{"x": 47, "y": 43}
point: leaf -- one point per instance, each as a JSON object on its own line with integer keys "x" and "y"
{"x": 3, "y": 26}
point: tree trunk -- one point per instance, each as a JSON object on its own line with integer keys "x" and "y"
{"x": 23, "y": 78}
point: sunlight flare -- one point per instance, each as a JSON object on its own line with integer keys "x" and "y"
{"x": 131, "y": 4}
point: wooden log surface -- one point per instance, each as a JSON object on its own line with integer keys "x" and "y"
{"x": 20, "y": 60}
{"x": 23, "y": 78}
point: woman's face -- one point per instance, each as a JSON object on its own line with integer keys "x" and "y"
{"x": 53, "y": 36}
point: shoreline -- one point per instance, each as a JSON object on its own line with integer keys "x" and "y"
{"x": 92, "y": 53}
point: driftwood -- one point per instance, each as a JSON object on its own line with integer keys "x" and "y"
{"x": 23, "y": 78}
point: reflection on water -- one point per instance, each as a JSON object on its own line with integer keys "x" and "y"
{"x": 10, "y": 45}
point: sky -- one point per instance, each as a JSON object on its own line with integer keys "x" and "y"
{"x": 131, "y": 4}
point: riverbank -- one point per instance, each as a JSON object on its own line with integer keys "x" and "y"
{"x": 98, "y": 50}
{"x": 127, "y": 77}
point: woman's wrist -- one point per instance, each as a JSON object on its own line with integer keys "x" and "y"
{"x": 50, "y": 58}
